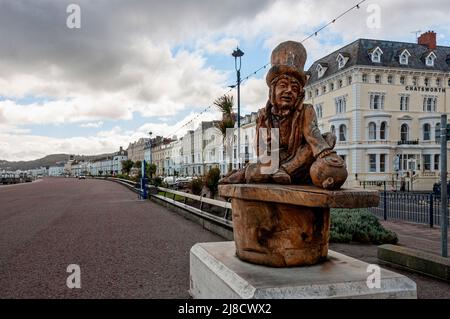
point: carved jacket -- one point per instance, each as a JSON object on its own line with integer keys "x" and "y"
{"x": 304, "y": 130}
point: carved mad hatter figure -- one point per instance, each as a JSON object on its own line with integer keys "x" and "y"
{"x": 305, "y": 155}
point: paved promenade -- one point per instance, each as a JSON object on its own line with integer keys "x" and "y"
{"x": 410, "y": 235}
{"x": 417, "y": 236}
{"x": 126, "y": 248}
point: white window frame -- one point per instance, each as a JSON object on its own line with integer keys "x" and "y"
{"x": 429, "y": 103}
{"x": 369, "y": 157}
{"x": 404, "y": 57}
{"x": 372, "y": 134}
{"x": 364, "y": 78}
{"x": 407, "y": 132}
{"x": 381, "y": 98}
{"x": 390, "y": 79}
{"x": 344, "y": 133}
{"x": 384, "y": 162}
{"x": 430, "y": 58}
{"x": 341, "y": 60}
{"x": 376, "y": 55}
{"x": 384, "y": 132}
{"x": 377, "y": 78}
{"x": 404, "y": 102}
{"x": 429, "y": 132}
{"x": 430, "y": 162}
{"x": 320, "y": 70}
{"x": 438, "y": 162}
{"x": 340, "y": 104}
{"x": 319, "y": 109}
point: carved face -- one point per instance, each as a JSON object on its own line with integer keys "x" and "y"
{"x": 287, "y": 90}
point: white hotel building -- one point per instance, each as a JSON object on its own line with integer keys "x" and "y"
{"x": 383, "y": 100}
{"x": 201, "y": 149}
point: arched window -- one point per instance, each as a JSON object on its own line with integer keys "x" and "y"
{"x": 404, "y": 132}
{"x": 372, "y": 131}
{"x": 426, "y": 132}
{"x": 342, "y": 133}
{"x": 383, "y": 131}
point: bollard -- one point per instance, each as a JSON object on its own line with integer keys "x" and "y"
{"x": 431, "y": 210}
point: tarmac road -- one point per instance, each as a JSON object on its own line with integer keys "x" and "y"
{"x": 125, "y": 248}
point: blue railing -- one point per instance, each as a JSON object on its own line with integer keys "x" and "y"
{"x": 422, "y": 208}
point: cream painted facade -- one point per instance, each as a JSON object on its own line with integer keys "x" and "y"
{"x": 378, "y": 116}
{"x": 136, "y": 150}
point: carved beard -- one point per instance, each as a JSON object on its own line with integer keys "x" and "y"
{"x": 271, "y": 102}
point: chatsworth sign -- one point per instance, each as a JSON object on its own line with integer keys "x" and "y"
{"x": 424, "y": 89}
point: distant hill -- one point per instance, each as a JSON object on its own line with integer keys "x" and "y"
{"x": 49, "y": 160}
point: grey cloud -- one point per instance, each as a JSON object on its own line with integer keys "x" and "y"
{"x": 34, "y": 36}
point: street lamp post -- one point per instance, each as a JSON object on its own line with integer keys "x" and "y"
{"x": 237, "y": 54}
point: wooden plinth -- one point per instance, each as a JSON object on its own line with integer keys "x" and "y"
{"x": 284, "y": 226}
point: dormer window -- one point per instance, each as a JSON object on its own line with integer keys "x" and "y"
{"x": 376, "y": 55}
{"x": 321, "y": 69}
{"x": 429, "y": 59}
{"x": 341, "y": 60}
{"x": 404, "y": 57}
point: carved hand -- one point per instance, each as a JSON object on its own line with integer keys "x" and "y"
{"x": 326, "y": 153}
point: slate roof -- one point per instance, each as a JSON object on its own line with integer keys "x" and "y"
{"x": 358, "y": 53}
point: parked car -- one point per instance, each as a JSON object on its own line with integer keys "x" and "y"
{"x": 169, "y": 180}
{"x": 81, "y": 177}
{"x": 181, "y": 183}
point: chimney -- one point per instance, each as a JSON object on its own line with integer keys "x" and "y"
{"x": 121, "y": 149}
{"x": 428, "y": 39}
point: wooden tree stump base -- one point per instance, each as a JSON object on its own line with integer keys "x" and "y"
{"x": 287, "y": 225}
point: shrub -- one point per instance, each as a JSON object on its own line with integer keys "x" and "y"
{"x": 196, "y": 186}
{"x": 126, "y": 166}
{"x": 123, "y": 176}
{"x": 358, "y": 225}
{"x": 212, "y": 180}
{"x": 150, "y": 169}
{"x": 157, "y": 181}
{"x": 165, "y": 185}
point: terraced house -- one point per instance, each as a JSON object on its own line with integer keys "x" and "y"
{"x": 383, "y": 100}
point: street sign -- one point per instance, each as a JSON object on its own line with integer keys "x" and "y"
{"x": 444, "y": 207}
{"x": 437, "y": 132}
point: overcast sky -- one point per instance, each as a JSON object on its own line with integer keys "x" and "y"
{"x": 136, "y": 66}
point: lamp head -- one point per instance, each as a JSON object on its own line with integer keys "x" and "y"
{"x": 237, "y": 54}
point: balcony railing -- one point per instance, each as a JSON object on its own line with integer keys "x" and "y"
{"x": 408, "y": 142}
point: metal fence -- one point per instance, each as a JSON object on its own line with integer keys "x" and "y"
{"x": 423, "y": 208}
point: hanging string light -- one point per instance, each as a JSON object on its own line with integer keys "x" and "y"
{"x": 315, "y": 33}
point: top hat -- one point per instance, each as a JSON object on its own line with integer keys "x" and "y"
{"x": 288, "y": 58}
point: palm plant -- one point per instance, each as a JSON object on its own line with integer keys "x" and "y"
{"x": 225, "y": 105}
